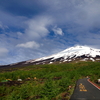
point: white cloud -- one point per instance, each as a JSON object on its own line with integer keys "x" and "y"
{"x": 30, "y": 44}
{"x": 3, "y": 52}
{"x": 19, "y": 34}
{"x": 2, "y": 26}
{"x": 58, "y": 30}
{"x": 37, "y": 27}
{"x": 10, "y": 20}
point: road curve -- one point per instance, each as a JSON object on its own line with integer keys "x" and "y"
{"x": 84, "y": 90}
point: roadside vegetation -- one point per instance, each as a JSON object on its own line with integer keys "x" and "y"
{"x": 45, "y": 82}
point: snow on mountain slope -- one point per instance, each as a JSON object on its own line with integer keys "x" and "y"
{"x": 70, "y": 54}
{"x": 76, "y": 54}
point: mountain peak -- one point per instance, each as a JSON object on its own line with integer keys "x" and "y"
{"x": 75, "y": 53}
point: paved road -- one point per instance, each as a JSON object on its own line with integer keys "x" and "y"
{"x": 84, "y": 90}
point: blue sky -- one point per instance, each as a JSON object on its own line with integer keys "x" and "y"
{"x": 31, "y": 29}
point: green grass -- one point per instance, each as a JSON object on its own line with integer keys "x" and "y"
{"x": 52, "y": 81}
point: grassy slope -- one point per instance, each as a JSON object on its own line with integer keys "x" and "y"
{"x": 47, "y": 82}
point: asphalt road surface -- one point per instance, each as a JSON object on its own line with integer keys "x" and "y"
{"x": 84, "y": 90}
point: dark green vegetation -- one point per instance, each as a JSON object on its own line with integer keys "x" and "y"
{"x": 45, "y": 82}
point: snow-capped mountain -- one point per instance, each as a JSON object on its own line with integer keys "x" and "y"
{"x": 77, "y": 53}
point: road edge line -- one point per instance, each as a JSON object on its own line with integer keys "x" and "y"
{"x": 98, "y": 87}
